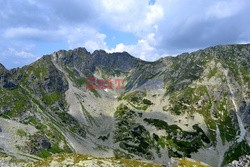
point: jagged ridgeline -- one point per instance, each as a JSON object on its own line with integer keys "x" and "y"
{"x": 201, "y": 110}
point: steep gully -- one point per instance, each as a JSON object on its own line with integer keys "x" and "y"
{"x": 241, "y": 125}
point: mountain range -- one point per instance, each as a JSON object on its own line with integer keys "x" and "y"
{"x": 194, "y": 105}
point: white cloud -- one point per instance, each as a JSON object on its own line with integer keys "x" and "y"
{"x": 81, "y": 36}
{"x": 85, "y": 37}
{"x": 154, "y": 14}
{"x": 144, "y": 49}
{"x": 32, "y": 33}
{"x": 131, "y": 16}
{"x": 12, "y": 57}
{"x": 21, "y": 54}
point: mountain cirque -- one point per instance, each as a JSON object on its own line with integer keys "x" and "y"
{"x": 200, "y": 111}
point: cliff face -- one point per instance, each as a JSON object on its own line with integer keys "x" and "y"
{"x": 195, "y": 105}
{"x": 5, "y": 78}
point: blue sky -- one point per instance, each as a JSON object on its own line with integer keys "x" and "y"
{"x": 147, "y": 29}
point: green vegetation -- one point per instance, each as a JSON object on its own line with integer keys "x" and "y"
{"x": 65, "y": 117}
{"x": 184, "y": 162}
{"x": 81, "y": 81}
{"x": 126, "y": 129}
{"x": 38, "y": 71}
{"x": 103, "y": 138}
{"x": 72, "y": 124}
{"x": 52, "y": 150}
{"x": 109, "y": 72}
{"x": 95, "y": 92}
{"x": 184, "y": 142}
{"x": 68, "y": 54}
{"x": 15, "y": 102}
{"x": 212, "y": 72}
{"x": 147, "y": 102}
{"x": 88, "y": 115}
{"x": 236, "y": 151}
{"x": 182, "y": 102}
{"x": 52, "y": 98}
{"x": 21, "y": 133}
{"x": 225, "y": 123}
{"x": 33, "y": 121}
{"x": 189, "y": 101}
{"x": 71, "y": 73}
{"x": 184, "y": 67}
{"x": 136, "y": 100}
{"x": 88, "y": 73}
{"x": 82, "y": 159}
{"x": 120, "y": 154}
{"x": 37, "y": 103}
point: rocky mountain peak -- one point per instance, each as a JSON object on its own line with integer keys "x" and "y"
{"x": 80, "y": 58}
{"x": 99, "y": 52}
{"x": 2, "y": 68}
{"x": 116, "y": 56}
{"x": 120, "y": 60}
{"x": 5, "y": 79}
{"x": 81, "y": 50}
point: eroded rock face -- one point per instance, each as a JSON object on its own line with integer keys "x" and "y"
{"x": 45, "y": 144}
{"x": 5, "y": 79}
{"x": 38, "y": 143}
{"x": 245, "y": 112}
{"x": 8, "y": 84}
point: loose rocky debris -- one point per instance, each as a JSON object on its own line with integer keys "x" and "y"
{"x": 242, "y": 162}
